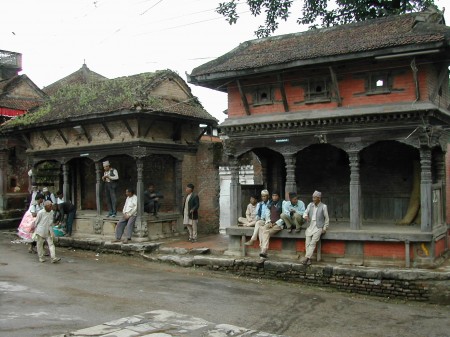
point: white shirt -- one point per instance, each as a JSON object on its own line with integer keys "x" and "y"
{"x": 130, "y": 207}
{"x": 44, "y": 223}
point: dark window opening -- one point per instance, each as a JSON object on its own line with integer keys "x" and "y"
{"x": 263, "y": 95}
{"x": 379, "y": 83}
{"x": 317, "y": 90}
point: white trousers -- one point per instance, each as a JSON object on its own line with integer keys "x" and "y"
{"x": 310, "y": 243}
{"x": 40, "y": 246}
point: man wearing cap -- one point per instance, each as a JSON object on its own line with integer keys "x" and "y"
{"x": 34, "y": 192}
{"x": 293, "y": 213}
{"x": 273, "y": 223}
{"x": 191, "y": 204}
{"x": 316, "y": 214}
{"x": 44, "y": 232}
{"x": 110, "y": 178}
{"x": 48, "y": 195}
{"x": 261, "y": 210}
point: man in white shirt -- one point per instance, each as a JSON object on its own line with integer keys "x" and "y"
{"x": 316, "y": 214}
{"x": 44, "y": 232}
{"x": 250, "y": 214}
{"x": 129, "y": 217}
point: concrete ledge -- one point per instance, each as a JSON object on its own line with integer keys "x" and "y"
{"x": 342, "y": 235}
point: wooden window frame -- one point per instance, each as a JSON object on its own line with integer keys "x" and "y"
{"x": 263, "y": 95}
{"x": 371, "y": 83}
{"x": 313, "y": 95}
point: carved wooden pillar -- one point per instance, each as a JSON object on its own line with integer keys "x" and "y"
{"x": 264, "y": 171}
{"x": 66, "y": 185}
{"x": 178, "y": 185}
{"x": 291, "y": 184}
{"x": 355, "y": 190}
{"x": 3, "y": 177}
{"x": 235, "y": 192}
{"x": 178, "y": 189}
{"x": 98, "y": 186}
{"x": 426, "y": 190}
{"x": 141, "y": 223}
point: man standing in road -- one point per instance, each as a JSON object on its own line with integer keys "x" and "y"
{"x": 44, "y": 232}
{"x": 191, "y": 205}
{"x": 316, "y": 214}
{"x": 110, "y": 178}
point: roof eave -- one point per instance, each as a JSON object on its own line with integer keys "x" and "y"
{"x": 216, "y": 80}
{"x": 102, "y": 116}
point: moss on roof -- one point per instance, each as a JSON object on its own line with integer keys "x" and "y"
{"x": 123, "y": 93}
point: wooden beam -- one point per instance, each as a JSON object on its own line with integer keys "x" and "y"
{"x": 200, "y": 136}
{"x": 148, "y": 128}
{"x": 335, "y": 84}
{"x": 61, "y": 134}
{"x": 415, "y": 78}
{"x": 27, "y": 141}
{"x": 125, "y": 122}
{"x": 283, "y": 93}
{"x": 45, "y": 138}
{"x": 108, "y": 131}
{"x": 86, "y": 133}
{"x": 442, "y": 76}
{"x": 176, "y": 131}
{"x": 243, "y": 98}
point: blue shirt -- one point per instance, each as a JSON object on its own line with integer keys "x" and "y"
{"x": 288, "y": 206}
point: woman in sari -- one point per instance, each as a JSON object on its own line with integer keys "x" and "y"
{"x": 27, "y": 226}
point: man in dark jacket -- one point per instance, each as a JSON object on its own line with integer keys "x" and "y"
{"x": 191, "y": 204}
{"x": 64, "y": 210}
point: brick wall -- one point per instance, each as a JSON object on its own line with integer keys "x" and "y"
{"x": 351, "y": 86}
{"x": 392, "y": 250}
{"x": 439, "y": 247}
{"x": 201, "y": 169}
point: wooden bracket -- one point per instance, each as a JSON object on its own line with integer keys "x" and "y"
{"x": 127, "y": 125}
{"x": 44, "y": 138}
{"x": 61, "y": 134}
{"x": 243, "y": 98}
{"x": 108, "y": 131}
{"x": 283, "y": 93}
{"x": 335, "y": 84}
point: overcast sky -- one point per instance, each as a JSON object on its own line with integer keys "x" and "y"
{"x": 126, "y": 37}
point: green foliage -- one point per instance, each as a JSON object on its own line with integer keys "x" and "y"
{"x": 317, "y": 13}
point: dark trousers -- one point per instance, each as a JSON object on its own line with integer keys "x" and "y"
{"x": 111, "y": 197}
{"x": 69, "y": 221}
{"x": 152, "y": 207}
{"x": 129, "y": 224}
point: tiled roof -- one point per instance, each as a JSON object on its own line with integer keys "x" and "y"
{"x": 20, "y": 104}
{"x": 75, "y": 101}
{"x": 84, "y": 75}
{"x": 401, "y": 30}
{"x": 11, "y": 99}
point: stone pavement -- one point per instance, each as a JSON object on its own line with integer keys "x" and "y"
{"x": 162, "y": 323}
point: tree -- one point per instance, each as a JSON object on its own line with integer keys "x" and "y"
{"x": 314, "y": 11}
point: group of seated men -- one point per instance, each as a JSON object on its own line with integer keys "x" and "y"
{"x": 269, "y": 216}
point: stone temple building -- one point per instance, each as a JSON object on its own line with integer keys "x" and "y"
{"x": 359, "y": 112}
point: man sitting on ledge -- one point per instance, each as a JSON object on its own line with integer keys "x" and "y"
{"x": 250, "y": 214}
{"x": 273, "y": 225}
{"x": 316, "y": 215}
{"x": 293, "y": 213}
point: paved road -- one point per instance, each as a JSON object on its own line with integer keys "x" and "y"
{"x": 84, "y": 290}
